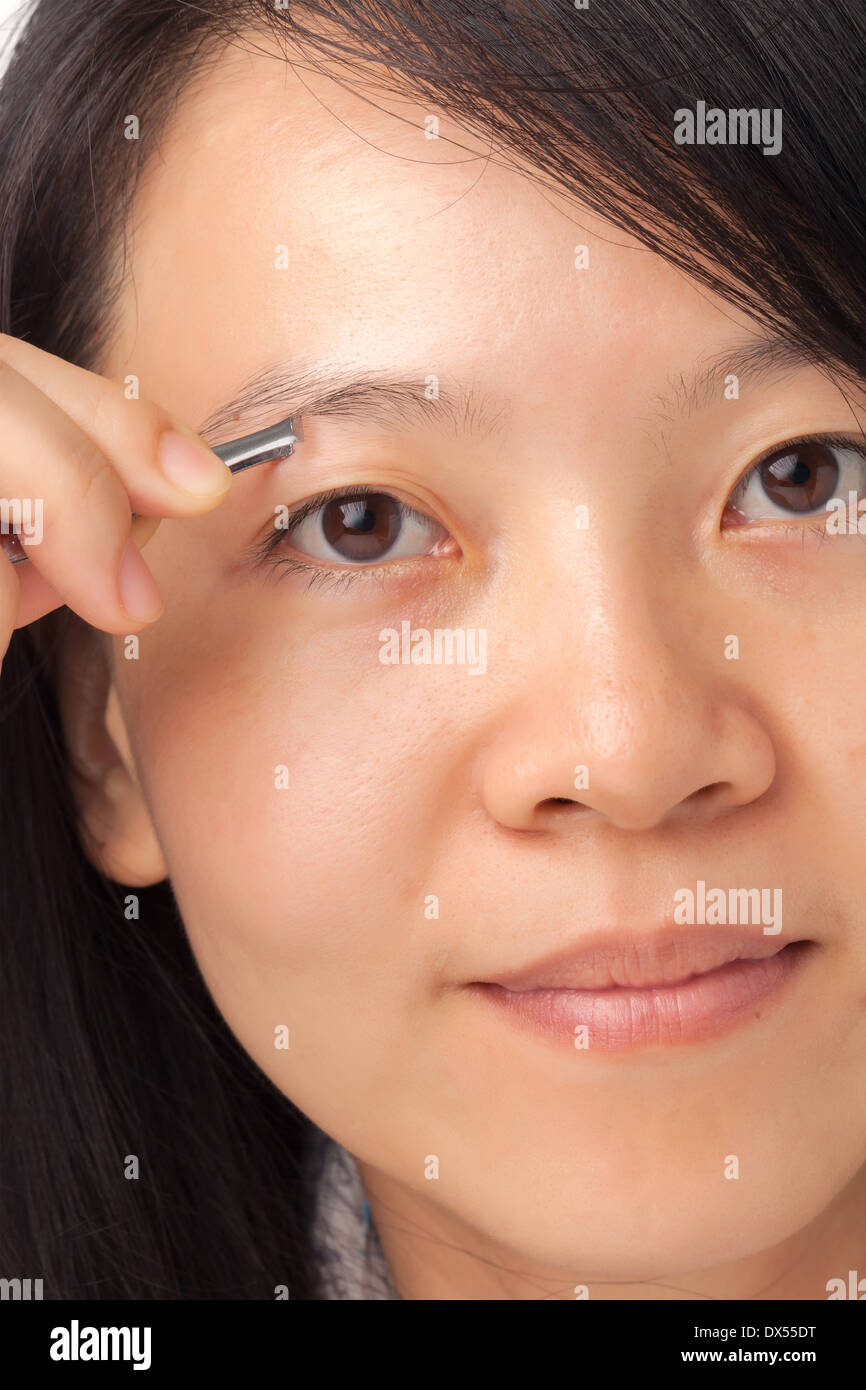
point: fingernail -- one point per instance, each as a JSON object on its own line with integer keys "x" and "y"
{"x": 191, "y": 465}
{"x": 137, "y": 587}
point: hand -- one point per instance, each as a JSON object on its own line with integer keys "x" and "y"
{"x": 81, "y": 458}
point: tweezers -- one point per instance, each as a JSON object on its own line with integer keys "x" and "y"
{"x": 275, "y": 442}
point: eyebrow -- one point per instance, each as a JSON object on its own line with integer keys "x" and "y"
{"x": 394, "y": 400}
{"x": 754, "y": 361}
{"x": 391, "y": 400}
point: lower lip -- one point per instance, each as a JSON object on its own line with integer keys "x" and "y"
{"x": 620, "y": 1019}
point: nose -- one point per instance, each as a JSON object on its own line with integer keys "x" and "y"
{"x": 629, "y": 721}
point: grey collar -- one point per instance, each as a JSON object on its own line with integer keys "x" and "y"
{"x": 345, "y": 1242}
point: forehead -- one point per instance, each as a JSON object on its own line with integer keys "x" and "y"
{"x": 286, "y": 210}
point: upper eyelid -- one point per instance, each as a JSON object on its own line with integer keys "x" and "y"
{"x": 833, "y": 441}
{"x": 345, "y": 494}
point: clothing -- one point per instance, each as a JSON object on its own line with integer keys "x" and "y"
{"x": 345, "y": 1241}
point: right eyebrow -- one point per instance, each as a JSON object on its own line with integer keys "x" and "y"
{"x": 389, "y": 399}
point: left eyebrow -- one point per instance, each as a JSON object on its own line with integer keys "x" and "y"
{"x": 752, "y": 361}
{"x": 391, "y": 400}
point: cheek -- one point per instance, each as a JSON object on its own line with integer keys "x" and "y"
{"x": 815, "y": 700}
{"x": 299, "y": 793}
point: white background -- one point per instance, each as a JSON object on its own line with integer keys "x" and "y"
{"x": 12, "y": 12}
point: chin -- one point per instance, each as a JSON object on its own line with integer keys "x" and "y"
{"x": 660, "y": 1224}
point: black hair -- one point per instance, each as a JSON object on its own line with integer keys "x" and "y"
{"x": 110, "y": 1044}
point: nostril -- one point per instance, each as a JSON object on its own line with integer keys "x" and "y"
{"x": 563, "y": 801}
{"x": 713, "y": 800}
{"x": 703, "y": 792}
{"x": 711, "y": 792}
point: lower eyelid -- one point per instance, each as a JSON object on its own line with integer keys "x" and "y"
{"x": 317, "y": 576}
{"x": 285, "y": 562}
{"x": 804, "y": 535}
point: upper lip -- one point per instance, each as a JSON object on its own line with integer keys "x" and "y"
{"x": 663, "y": 957}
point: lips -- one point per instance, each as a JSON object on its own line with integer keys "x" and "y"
{"x": 659, "y": 958}
{"x": 668, "y": 988}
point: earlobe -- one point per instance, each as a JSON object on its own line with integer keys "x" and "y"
{"x": 116, "y": 828}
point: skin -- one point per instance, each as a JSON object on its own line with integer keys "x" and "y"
{"x": 305, "y": 904}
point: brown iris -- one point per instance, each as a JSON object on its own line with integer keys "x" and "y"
{"x": 802, "y": 477}
{"x": 362, "y": 528}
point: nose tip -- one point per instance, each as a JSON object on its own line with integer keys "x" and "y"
{"x": 680, "y": 762}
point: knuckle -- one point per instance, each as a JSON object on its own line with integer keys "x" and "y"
{"x": 134, "y": 427}
{"x": 103, "y": 493}
{"x": 100, "y": 415}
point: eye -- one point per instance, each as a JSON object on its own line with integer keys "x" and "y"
{"x": 361, "y": 527}
{"x": 799, "y": 479}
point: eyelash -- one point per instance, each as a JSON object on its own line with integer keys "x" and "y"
{"x": 266, "y": 551}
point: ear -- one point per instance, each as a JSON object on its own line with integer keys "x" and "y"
{"x": 117, "y": 832}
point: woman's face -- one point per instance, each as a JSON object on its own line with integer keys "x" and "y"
{"x": 662, "y": 686}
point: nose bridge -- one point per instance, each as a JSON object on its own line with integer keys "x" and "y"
{"x": 626, "y": 666}
{"x": 618, "y": 683}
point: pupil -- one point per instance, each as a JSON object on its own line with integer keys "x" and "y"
{"x": 365, "y": 522}
{"x": 362, "y": 528}
{"x": 802, "y": 479}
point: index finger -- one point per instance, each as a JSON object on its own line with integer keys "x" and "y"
{"x": 166, "y": 468}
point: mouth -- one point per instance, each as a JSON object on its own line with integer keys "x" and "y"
{"x": 653, "y": 991}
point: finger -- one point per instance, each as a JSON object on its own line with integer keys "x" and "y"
{"x": 36, "y": 596}
{"x": 166, "y": 468}
{"x": 79, "y": 519}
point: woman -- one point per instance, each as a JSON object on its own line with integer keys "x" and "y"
{"x": 436, "y": 872}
